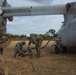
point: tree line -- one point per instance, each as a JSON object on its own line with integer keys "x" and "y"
{"x": 48, "y": 35}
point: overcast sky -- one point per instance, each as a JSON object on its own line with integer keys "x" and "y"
{"x": 35, "y": 24}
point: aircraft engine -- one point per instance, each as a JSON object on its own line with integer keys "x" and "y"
{"x": 5, "y": 40}
{"x": 71, "y": 8}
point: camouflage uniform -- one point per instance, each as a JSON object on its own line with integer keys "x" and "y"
{"x": 37, "y": 40}
{"x": 18, "y": 48}
{"x": 3, "y": 23}
{"x": 1, "y": 26}
{"x": 1, "y": 32}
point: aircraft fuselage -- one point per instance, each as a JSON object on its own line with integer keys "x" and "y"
{"x": 68, "y": 34}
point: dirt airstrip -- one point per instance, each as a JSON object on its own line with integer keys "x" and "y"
{"x": 49, "y": 63}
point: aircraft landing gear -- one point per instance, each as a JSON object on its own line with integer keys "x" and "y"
{"x": 56, "y": 50}
{"x": 64, "y": 50}
{"x": 60, "y": 49}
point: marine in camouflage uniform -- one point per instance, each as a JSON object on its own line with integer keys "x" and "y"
{"x": 1, "y": 25}
{"x": 18, "y": 48}
{"x": 3, "y": 21}
{"x": 37, "y": 40}
{"x": 1, "y": 31}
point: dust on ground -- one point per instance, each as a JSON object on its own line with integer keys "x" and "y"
{"x": 48, "y": 64}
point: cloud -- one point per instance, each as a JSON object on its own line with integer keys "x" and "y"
{"x": 39, "y": 24}
{"x": 50, "y": 1}
{"x": 16, "y": 3}
{"x": 41, "y": 1}
{"x": 62, "y": 2}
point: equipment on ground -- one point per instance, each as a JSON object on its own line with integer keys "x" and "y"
{"x": 24, "y": 53}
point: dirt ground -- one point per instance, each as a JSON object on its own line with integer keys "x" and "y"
{"x": 48, "y": 64}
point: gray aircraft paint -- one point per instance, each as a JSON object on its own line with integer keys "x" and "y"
{"x": 34, "y": 10}
{"x": 1, "y": 3}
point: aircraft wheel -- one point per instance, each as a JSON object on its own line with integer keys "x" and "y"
{"x": 56, "y": 50}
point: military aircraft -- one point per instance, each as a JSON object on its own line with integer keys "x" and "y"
{"x": 65, "y": 36}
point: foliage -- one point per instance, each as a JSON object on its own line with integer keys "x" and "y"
{"x": 48, "y": 35}
{"x": 51, "y": 32}
{"x": 17, "y": 37}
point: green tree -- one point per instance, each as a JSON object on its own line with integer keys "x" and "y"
{"x": 47, "y": 33}
{"x": 52, "y": 32}
{"x": 22, "y": 36}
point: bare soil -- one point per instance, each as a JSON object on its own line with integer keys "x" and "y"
{"x": 48, "y": 64}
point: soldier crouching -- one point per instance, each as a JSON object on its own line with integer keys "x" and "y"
{"x": 18, "y": 48}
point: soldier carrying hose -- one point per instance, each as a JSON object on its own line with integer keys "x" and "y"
{"x": 37, "y": 41}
